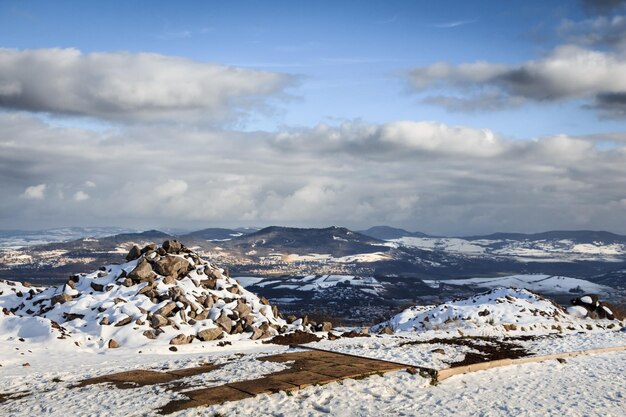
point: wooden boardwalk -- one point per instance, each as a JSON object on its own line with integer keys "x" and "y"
{"x": 312, "y": 367}
{"x": 306, "y": 368}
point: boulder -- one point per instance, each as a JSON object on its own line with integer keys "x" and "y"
{"x": 170, "y": 265}
{"x": 142, "y": 272}
{"x": 172, "y": 246}
{"x": 113, "y": 344}
{"x": 60, "y": 299}
{"x": 257, "y": 334}
{"x": 224, "y": 322}
{"x": 124, "y": 321}
{"x": 242, "y": 308}
{"x": 181, "y": 339}
{"x": 148, "y": 248}
{"x": 166, "y": 309}
{"x": 97, "y": 287}
{"x": 157, "y": 320}
{"x": 203, "y": 315}
{"x": 151, "y": 334}
{"x": 133, "y": 253}
{"x": 209, "y": 334}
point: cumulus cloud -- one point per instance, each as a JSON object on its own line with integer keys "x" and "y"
{"x": 416, "y": 174}
{"x": 569, "y": 72}
{"x": 35, "y": 192}
{"x": 124, "y": 86}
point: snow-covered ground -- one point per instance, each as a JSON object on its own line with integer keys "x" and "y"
{"x": 45, "y": 361}
{"x": 586, "y": 385}
{"x": 563, "y": 250}
{"x": 545, "y": 284}
{"x": 319, "y": 282}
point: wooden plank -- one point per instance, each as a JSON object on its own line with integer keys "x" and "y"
{"x": 268, "y": 385}
{"x": 131, "y": 379}
{"x": 303, "y": 379}
{"x": 216, "y": 395}
{"x": 447, "y": 373}
{"x": 342, "y": 371}
{"x": 293, "y": 356}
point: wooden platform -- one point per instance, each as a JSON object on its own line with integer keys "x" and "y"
{"x": 310, "y": 367}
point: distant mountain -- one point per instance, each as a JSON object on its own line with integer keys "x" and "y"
{"x": 577, "y": 236}
{"x": 22, "y": 238}
{"x": 337, "y": 241}
{"x": 386, "y": 233}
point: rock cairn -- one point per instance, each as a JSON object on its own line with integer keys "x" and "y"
{"x": 165, "y": 291}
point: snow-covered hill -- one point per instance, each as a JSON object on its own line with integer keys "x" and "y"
{"x": 522, "y": 249}
{"x": 544, "y": 284}
{"x": 161, "y": 295}
{"x": 497, "y": 312}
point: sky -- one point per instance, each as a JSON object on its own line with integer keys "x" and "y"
{"x": 444, "y": 117}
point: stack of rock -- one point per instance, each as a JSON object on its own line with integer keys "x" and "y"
{"x": 160, "y": 292}
{"x": 590, "y": 306}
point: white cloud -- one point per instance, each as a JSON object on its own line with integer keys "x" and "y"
{"x": 35, "y": 192}
{"x": 131, "y": 86}
{"x": 90, "y": 184}
{"x": 81, "y": 196}
{"x": 568, "y": 72}
{"x": 172, "y": 188}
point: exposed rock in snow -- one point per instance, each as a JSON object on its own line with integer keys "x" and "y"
{"x": 166, "y": 294}
{"x": 498, "y": 311}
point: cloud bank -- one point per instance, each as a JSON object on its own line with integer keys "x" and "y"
{"x": 420, "y": 175}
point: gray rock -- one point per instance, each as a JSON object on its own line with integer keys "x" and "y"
{"x": 124, "y": 321}
{"x": 166, "y": 309}
{"x": 181, "y": 339}
{"x": 172, "y": 266}
{"x": 157, "y": 320}
{"x": 133, "y": 253}
{"x": 142, "y": 272}
{"x": 257, "y": 334}
{"x": 203, "y": 315}
{"x": 242, "y": 308}
{"x": 148, "y": 248}
{"x": 224, "y": 322}
{"x": 172, "y": 246}
{"x": 60, "y": 299}
{"x": 151, "y": 334}
{"x": 97, "y": 287}
{"x": 209, "y": 334}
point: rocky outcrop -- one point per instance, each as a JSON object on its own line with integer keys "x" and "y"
{"x": 163, "y": 293}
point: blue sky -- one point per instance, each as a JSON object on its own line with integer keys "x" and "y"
{"x": 450, "y": 117}
{"x": 349, "y": 56}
